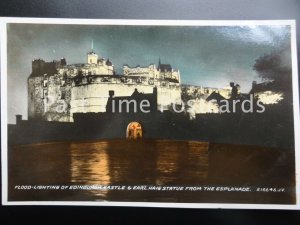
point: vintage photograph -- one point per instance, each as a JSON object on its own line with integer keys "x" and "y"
{"x": 112, "y": 112}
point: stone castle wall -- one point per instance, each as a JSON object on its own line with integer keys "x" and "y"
{"x": 93, "y": 97}
{"x": 56, "y": 97}
{"x": 57, "y": 90}
{"x": 49, "y": 98}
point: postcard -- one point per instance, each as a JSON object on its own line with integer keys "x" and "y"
{"x": 157, "y": 113}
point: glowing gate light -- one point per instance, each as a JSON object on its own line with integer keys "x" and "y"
{"x": 134, "y": 131}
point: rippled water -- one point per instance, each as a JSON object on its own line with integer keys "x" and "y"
{"x": 149, "y": 163}
{"x": 118, "y": 162}
{"x": 137, "y": 163}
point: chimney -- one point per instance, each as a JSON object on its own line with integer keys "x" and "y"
{"x": 111, "y": 93}
{"x": 18, "y": 119}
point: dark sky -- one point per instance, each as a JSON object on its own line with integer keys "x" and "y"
{"x": 207, "y": 56}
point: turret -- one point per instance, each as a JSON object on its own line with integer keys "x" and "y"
{"x": 108, "y": 63}
{"x": 63, "y": 62}
{"x": 92, "y": 58}
{"x": 38, "y": 66}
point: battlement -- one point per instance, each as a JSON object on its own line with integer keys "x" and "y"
{"x": 40, "y": 67}
{"x": 125, "y": 80}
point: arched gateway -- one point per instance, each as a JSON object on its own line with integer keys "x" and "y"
{"x": 134, "y": 130}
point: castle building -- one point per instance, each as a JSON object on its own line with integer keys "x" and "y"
{"x": 57, "y": 90}
{"x": 162, "y": 72}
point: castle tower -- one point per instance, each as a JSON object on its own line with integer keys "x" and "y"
{"x": 92, "y": 57}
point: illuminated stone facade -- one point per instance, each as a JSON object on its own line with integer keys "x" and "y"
{"x": 57, "y": 90}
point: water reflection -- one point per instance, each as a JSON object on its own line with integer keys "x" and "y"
{"x": 147, "y": 162}
{"x": 197, "y": 156}
{"x": 167, "y": 162}
{"x": 90, "y": 164}
{"x": 123, "y": 162}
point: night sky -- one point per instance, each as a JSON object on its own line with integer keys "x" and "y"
{"x": 206, "y": 56}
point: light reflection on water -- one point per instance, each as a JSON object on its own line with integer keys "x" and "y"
{"x": 137, "y": 163}
{"x": 167, "y": 162}
{"x": 89, "y": 164}
{"x": 147, "y": 162}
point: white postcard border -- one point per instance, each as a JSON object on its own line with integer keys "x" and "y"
{"x": 3, "y": 46}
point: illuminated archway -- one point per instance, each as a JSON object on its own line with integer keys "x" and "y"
{"x": 134, "y": 131}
